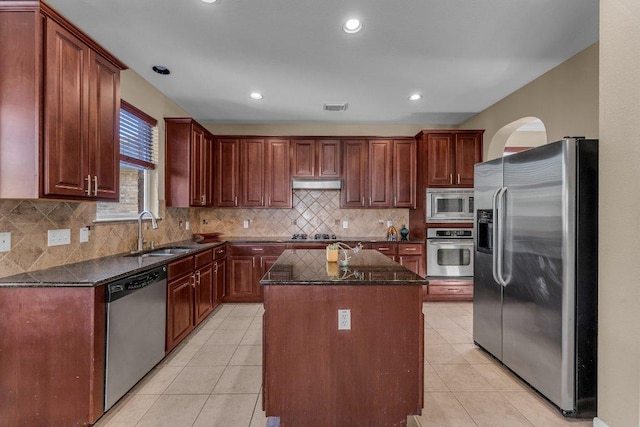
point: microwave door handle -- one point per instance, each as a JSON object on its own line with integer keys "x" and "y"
{"x": 501, "y": 213}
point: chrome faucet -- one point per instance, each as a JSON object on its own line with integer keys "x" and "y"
{"x": 154, "y": 224}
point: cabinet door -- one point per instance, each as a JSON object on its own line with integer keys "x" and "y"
{"x": 66, "y": 118}
{"x": 179, "y": 310}
{"x": 354, "y": 174}
{"x": 220, "y": 275}
{"x": 440, "y": 160}
{"x": 328, "y": 158}
{"x": 404, "y": 174}
{"x": 278, "y": 181}
{"x": 468, "y": 153}
{"x": 414, "y": 263}
{"x": 240, "y": 280}
{"x": 204, "y": 293}
{"x": 104, "y": 128}
{"x": 303, "y": 158}
{"x": 380, "y": 174}
{"x": 252, "y": 165}
{"x": 207, "y": 172}
{"x": 227, "y": 170}
{"x": 196, "y": 171}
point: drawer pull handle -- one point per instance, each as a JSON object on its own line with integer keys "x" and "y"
{"x": 257, "y": 249}
{"x": 453, "y": 290}
{"x": 409, "y": 249}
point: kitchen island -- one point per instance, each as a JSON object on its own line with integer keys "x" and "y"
{"x": 364, "y": 368}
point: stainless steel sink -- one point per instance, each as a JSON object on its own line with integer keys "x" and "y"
{"x": 163, "y": 252}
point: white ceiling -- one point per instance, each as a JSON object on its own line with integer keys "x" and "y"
{"x": 461, "y": 55}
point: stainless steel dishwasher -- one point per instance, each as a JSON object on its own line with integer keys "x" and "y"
{"x": 136, "y": 323}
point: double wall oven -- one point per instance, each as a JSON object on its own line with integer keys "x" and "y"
{"x": 449, "y": 249}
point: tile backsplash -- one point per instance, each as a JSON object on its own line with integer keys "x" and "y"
{"x": 313, "y": 212}
{"x": 29, "y": 220}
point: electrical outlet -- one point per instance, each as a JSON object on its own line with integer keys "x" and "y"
{"x": 58, "y": 237}
{"x": 389, "y": 223}
{"x": 344, "y": 320}
{"x": 187, "y": 225}
{"x": 84, "y": 235}
{"x": 345, "y": 224}
{"x": 5, "y": 241}
{"x": 245, "y": 224}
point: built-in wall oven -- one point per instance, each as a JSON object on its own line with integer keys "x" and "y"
{"x": 450, "y": 252}
{"x": 449, "y": 205}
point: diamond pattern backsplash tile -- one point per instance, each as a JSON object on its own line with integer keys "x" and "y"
{"x": 313, "y": 212}
{"x": 29, "y": 220}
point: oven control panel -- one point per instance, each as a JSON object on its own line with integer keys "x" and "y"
{"x": 450, "y": 233}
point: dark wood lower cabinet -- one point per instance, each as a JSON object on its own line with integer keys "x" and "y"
{"x": 449, "y": 290}
{"x": 247, "y": 264}
{"x": 204, "y": 293}
{"x": 52, "y": 344}
{"x": 179, "y": 310}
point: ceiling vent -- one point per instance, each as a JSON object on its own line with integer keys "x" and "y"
{"x": 335, "y": 107}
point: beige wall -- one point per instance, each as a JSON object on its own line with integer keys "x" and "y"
{"x": 565, "y": 99}
{"x": 527, "y": 139}
{"x": 143, "y": 95}
{"x": 619, "y": 267}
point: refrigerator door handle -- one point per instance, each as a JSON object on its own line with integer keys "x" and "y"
{"x": 500, "y": 252}
{"x": 494, "y": 237}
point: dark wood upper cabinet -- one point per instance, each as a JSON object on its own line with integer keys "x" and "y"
{"x": 278, "y": 177}
{"x": 380, "y": 174}
{"x": 252, "y": 163}
{"x": 227, "y": 182}
{"x": 63, "y": 90}
{"x": 354, "y": 173}
{"x": 315, "y": 158}
{"x": 450, "y": 157}
{"x": 189, "y": 161}
{"x": 404, "y": 173}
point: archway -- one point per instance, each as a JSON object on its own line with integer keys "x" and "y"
{"x": 518, "y": 135}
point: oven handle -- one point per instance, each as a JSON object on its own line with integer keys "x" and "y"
{"x": 461, "y": 242}
{"x": 499, "y": 256}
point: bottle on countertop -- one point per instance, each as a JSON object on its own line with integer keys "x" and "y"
{"x": 392, "y": 233}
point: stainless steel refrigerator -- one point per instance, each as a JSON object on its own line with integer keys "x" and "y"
{"x": 536, "y": 268}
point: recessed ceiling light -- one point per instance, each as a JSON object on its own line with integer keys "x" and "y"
{"x": 352, "y": 26}
{"x": 161, "y": 69}
{"x": 209, "y": 1}
{"x": 256, "y": 95}
{"x": 415, "y": 97}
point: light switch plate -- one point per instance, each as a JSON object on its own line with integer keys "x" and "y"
{"x": 187, "y": 225}
{"x": 246, "y": 223}
{"x": 84, "y": 235}
{"x": 345, "y": 224}
{"x": 59, "y": 237}
{"x": 5, "y": 241}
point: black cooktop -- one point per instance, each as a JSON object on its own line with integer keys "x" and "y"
{"x": 304, "y": 236}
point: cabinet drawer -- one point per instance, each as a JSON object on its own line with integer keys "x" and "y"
{"x": 203, "y": 258}
{"x": 387, "y": 249}
{"x": 219, "y": 252}
{"x": 257, "y": 249}
{"x": 180, "y": 267}
{"x": 410, "y": 249}
{"x": 450, "y": 290}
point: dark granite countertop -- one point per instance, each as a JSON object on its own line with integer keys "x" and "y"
{"x": 107, "y": 269}
{"x": 288, "y": 239}
{"x": 310, "y": 267}
{"x": 100, "y": 270}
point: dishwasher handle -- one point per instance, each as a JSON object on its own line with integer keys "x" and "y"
{"x": 127, "y": 285}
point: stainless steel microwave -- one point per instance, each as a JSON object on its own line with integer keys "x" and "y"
{"x": 449, "y": 204}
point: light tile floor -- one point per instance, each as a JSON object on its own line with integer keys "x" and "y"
{"x": 214, "y": 378}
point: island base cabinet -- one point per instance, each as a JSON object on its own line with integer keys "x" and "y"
{"x": 317, "y": 375}
{"x": 52, "y": 344}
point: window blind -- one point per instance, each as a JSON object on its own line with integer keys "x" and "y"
{"x": 138, "y": 137}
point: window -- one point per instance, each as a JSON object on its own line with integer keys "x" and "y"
{"x": 138, "y": 159}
